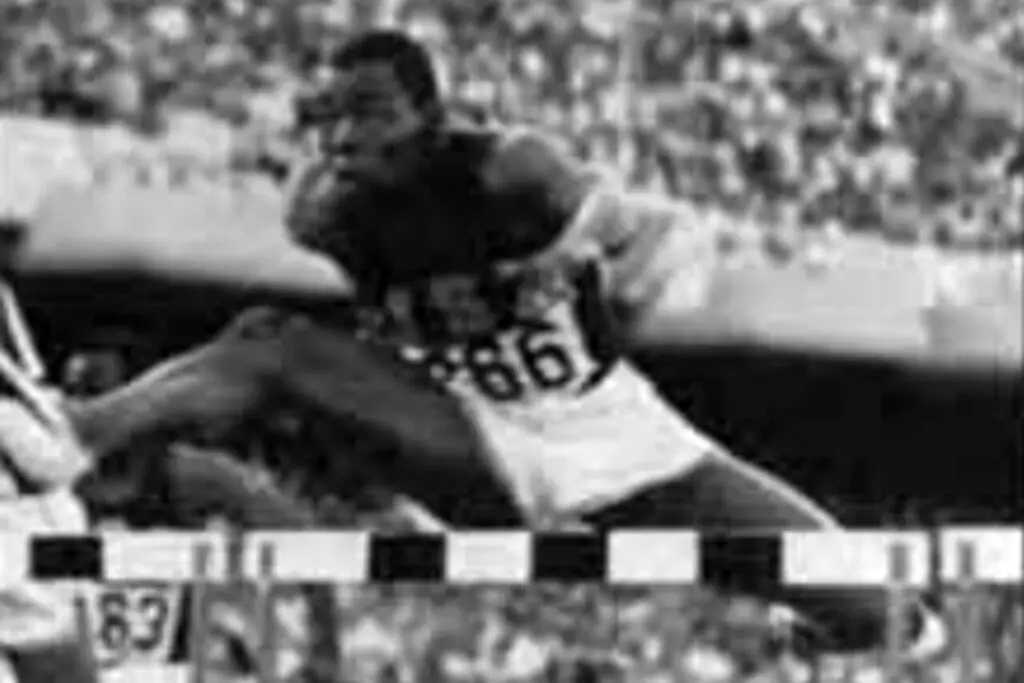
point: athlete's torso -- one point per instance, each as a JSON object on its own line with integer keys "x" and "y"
{"x": 518, "y": 330}
{"x": 467, "y": 287}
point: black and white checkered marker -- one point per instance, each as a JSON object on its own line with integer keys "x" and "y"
{"x": 850, "y": 558}
{"x": 171, "y": 557}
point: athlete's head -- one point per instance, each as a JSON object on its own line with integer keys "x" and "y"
{"x": 379, "y": 110}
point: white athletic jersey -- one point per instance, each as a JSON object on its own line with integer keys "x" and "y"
{"x": 571, "y": 424}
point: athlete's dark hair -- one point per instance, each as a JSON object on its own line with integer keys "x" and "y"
{"x": 408, "y": 59}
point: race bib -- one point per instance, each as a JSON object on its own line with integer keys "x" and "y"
{"x": 522, "y": 335}
{"x": 135, "y": 623}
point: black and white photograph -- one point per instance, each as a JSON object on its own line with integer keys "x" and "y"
{"x": 511, "y": 341}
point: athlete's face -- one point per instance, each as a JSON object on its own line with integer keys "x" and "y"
{"x": 372, "y": 131}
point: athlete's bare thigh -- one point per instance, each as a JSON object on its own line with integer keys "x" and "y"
{"x": 426, "y": 445}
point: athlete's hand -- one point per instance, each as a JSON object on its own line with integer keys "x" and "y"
{"x": 312, "y": 205}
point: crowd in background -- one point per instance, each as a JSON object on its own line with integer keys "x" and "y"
{"x": 593, "y": 634}
{"x": 805, "y": 120}
{"x": 761, "y": 112}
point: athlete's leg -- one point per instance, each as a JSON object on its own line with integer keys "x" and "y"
{"x": 720, "y": 495}
{"x": 210, "y": 388}
{"x": 727, "y": 495}
{"x": 425, "y": 445}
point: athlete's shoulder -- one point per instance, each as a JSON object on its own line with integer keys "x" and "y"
{"x": 526, "y": 160}
{"x": 532, "y": 185}
{"x": 516, "y": 160}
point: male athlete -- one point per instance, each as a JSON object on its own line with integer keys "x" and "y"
{"x": 498, "y": 267}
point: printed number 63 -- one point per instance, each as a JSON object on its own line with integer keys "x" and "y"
{"x": 118, "y": 629}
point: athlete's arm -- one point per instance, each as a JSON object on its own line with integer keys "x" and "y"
{"x": 648, "y": 242}
{"x": 313, "y": 206}
{"x": 207, "y": 390}
{"x": 528, "y": 165}
{"x": 45, "y": 457}
{"x": 311, "y": 217}
{"x": 653, "y": 246}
